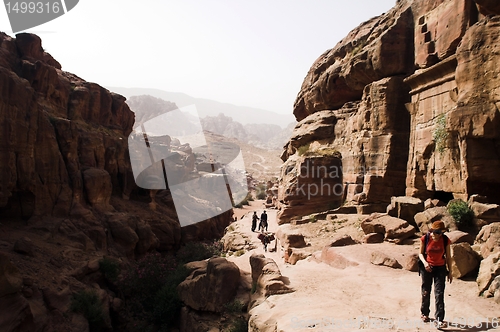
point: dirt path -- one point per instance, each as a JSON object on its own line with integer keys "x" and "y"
{"x": 363, "y": 297}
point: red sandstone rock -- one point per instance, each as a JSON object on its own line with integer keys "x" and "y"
{"x": 488, "y": 7}
{"x": 489, "y": 239}
{"x": 374, "y": 50}
{"x": 210, "y": 291}
{"x": 379, "y": 258}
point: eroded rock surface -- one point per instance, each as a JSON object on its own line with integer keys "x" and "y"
{"x": 409, "y": 100}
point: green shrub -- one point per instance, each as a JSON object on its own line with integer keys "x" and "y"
{"x": 150, "y": 286}
{"x": 166, "y": 305}
{"x": 359, "y": 45}
{"x": 254, "y": 287}
{"x": 261, "y": 191}
{"x": 303, "y": 149}
{"x": 461, "y": 212}
{"x": 198, "y": 251}
{"x": 88, "y": 304}
{"x": 261, "y": 195}
{"x": 440, "y": 134}
{"x": 329, "y": 152}
{"x": 147, "y": 275}
{"x": 234, "y": 307}
{"x": 110, "y": 268}
{"x": 312, "y": 218}
{"x": 239, "y": 325}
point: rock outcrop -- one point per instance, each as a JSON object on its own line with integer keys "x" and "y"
{"x": 57, "y": 126}
{"x": 410, "y": 102}
{"x": 211, "y": 287}
{"x": 65, "y": 172}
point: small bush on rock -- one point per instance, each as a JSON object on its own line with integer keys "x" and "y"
{"x": 261, "y": 191}
{"x": 239, "y": 325}
{"x": 198, "y": 251}
{"x": 88, "y": 304}
{"x": 110, "y": 268}
{"x": 234, "y": 307}
{"x": 461, "y": 212}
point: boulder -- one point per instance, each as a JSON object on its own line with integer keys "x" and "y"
{"x": 487, "y": 212}
{"x": 290, "y": 238}
{"x": 489, "y": 269}
{"x": 342, "y": 240}
{"x": 426, "y": 218}
{"x": 235, "y": 240}
{"x": 267, "y": 276}
{"x": 24, "y": 246}
{"x": 379, "y": 258}
{"x": 210, "y": 291}
{"x": 477, "y": 198}
{"x": 393, "y": 228}
{"x": 464, "y": 260}
{"x": 373, "y": 238}
{"x": 459, "y": 237}
{"x": 430, "y": 203}
{"x": 405, "y": 208}
{"x": 489, "y": 239}
{"x": 410, "y": 263}
{"x": 295, "y": 255}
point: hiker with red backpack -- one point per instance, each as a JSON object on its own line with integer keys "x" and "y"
{"x": 434, "y": 266}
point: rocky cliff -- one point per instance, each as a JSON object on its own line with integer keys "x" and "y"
{"x": 67, "y": 192}
{"x": 408, "y": 103}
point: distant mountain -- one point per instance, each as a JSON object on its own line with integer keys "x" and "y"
{"x": 154, "y": 113}
{"x": 148, "y": 108}
{"x": 206, "y": 107}
{"x": 264, "y": 136}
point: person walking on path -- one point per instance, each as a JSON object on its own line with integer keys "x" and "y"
{"x": 434, "y": 266}
{"x": 254, "y": 221}
{"x": 263, "y": 221}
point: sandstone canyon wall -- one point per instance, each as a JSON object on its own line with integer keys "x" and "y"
{"x": 67, "y": 193}
{"x": 409, "y": 104}
{"x": 64, "y": 150}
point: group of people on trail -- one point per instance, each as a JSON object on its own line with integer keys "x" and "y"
{"x": 263, "y": 221}
{"x": 265, "y": 237}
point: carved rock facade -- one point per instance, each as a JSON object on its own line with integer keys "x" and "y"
{"x": 410, "y": 100}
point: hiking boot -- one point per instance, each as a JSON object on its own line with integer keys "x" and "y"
{"x": 425, "y": 319}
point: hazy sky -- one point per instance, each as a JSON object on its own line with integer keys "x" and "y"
{"x": 245, "y": 52}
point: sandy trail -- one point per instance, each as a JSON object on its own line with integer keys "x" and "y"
{"x": 363, "y": 297}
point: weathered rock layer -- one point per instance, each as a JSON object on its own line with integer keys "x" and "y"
{"x": 410, "y": 101}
